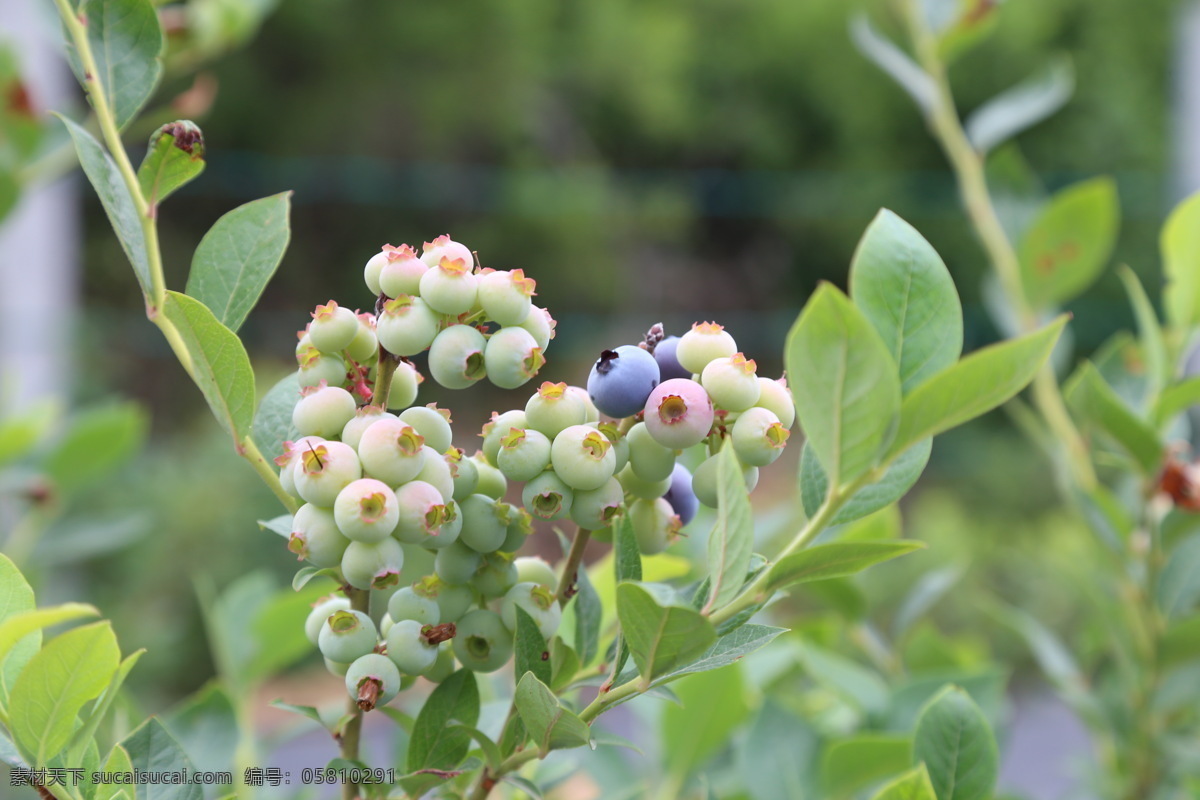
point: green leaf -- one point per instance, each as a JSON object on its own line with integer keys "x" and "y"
{"x": 730, "y": 648}
{"x": 1094, "y": 402}
{"x": 850, "y": 395}
{"x": 1022, "y": 106}
{"x": 1150, "y": 333}
{"x": 16, "y": 627}
{"x": 220, "y": 365}
{"x": 306, "y": 711}
{"x": 21, "y": 432}
{"x": 776, "y": 755}
{"x": 732, "y": 536}
{"x": 588, "y": 613}
{"x": 928, "y": 590}
{"x": 850, "y": 765}
{"x": 628, "y": 556}
{"x": 902, "y": 286}
{"x": 895, "y": 62}
{"x": 281, "y": 525}
{"x": 1067, "y": 247}
{"x": 1180, "y": 245}
{"x": 73, "y": 668}
{"x": 859, "y": 686}
{"x": 307, "y": 573}
{"x": 174, "y": 157}
{"x": 273, "y": 422}
{"x": 16, "y": 597}
{"x": 152, "y": 748}
{"x": 114, "y": 195}
{"x": 1181, "y": 641}
{"x": 9, "y": 754}
{"x": 85, "y": 736}
{"x": 277, "y": 630}
{"x": 835, "y": 560}
{"x": 435, "y": 745}
{"x": 96, "y": 442}
{"x": 491, "y": 751}
{"x": 912, "y": 785}
{"x": 661, "y": 638}
{"x": 118, "y": 763}
{"x": 1178, "y": 587}
{"x": 530, "y": 652}
{"x": 712, "y": 706}
{"x": 901, "y": 475}
{"x": 205, "y": 725}
{"x": 973, "y": 386}
{"x": 127, "y": 43}
{"x": 237, "y": 257}
{"x": 564, "y": 664}
{"x": 956, "y": 744}
{"x": 549, "y": 723}
{"x": 1176, "y": 399}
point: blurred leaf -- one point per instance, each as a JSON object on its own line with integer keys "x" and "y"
{"x": 9, "y": 754}
{"x": 975, "y": 385}
{"x": 730, "y": 648}
{"x": 912, "y": 785}
{"x": 848, "y": 402}
{"x": 524, "y": 784}
{"x": 929, "y": 588}
{"x": 434, "y": 745}
{"x": 775, "y": 755}
{"x": 1176, "y": 399}
{"x": 174, "y": 157}
{"x": 1022, "y": 106}
{"x": 1106, "y": 515}
{"x": 89, "y": 535}
{"x": 152, "y": 748}
{"x": 491, "y": 752}
{"x": 1056, "y": 660}
{"x": 205, "y": 724}
{"x": 114, "y": 195}
{"x": 306, "y": 573}
{"x": 851, "y": 765}
{"x": 309, "y": 711}
{"x": 712, "y": 706}
{"x": 836, "y": 560}
{"x": 220, "y": 365}
{"x": 1150, "y": 332}
{"x": 529, "y": 649}
{"x": 15, "y": 627}
{"x": 841, "y": 594}
{"x": 229, "y": 620}
{"x": 127, "y": 43}
{"x": 587, "y": 619}
{"x": 1181, "y": 641}
{"x": 732, "y": 536}
{"x": 1094, "y": 402}
{"x": 882, "y": 525}
{"x": 902, "y": 286}
{"x": 975, "y": 20}
{"x": 278, "y": 632}
{"x": 73, "y": 668}
{"x": 281, "y": 525}
{"x": 661, "y": 638}
{"x": 987, "y": 686}
{"x": 858, "y": 685}
{"x": 1069, "y": 244}
{"x": 20, "y": 433}
{"x": 16, "y": 597}
{"x": 273, "y": 422}
{"x": 10, "y": 192}
{"x": 895, "y": 62}
{"x": 1180, "y": 245}
{"x": 84, "y": 737}
{"x": 1178, "y": 587}
{"x": 957, "y": 747}
{"x": 237, "y": 257}
{"x": 900, "y": 476}
{"x": 551, "y": 725}
{"x": 118, "y": 763}
{"x": 97, "y": 441}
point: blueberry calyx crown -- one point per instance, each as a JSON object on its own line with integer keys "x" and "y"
{"x": 604, "y": 365}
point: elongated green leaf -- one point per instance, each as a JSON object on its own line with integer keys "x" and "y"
{"x": 86, "y": 734}
{"x": 96, "y": 442}
{"x": 174, "y": 157}
{"x": 1181, "y": 641}
{"x": 856, "y": 684}
{"x": 491, "y": 751}
{"x": 1177, "y": 398}
{"x": 118, "y": 763}
{"x": 1180, "y": 244}
{"x": 1022, "y": 106}
{"x": 848, "y": 401}
{"x": 551, "y": 725}
{"x": 895, "y": 483}
{"x": 895, "y": 62}
{"x": 903, "y": 287}
{"x": 1150, "y": 333}
{"x": 925, "y": 593}
{"x": 219, "y": 362}
{"x": 17, "y": 626}
{"x": 661, "y": 638}
{"x": 20, "y": 432}
{"x": 912, "y": 785}
{"x": 530, "y": 651}
{"x": 237, "y": 257}
{"x": 712, "y": 706}
{"x": 730, "y": 648}
{"x": 205, "y": 725}
{"x": 16, "y": 597}
{"x": 1095, "y": 403}
{"x": 435, "y": 745}
{"x": 956, "y": 745}
{"x": 1179, "y": 584}
{"x": 1068, "y": 245}
{"x": 973, "y": 386}
{"x": 273, "y": 420}
{"x": 306, "y": 711}
{"x": 732, "y": 536}
{"x": 853, "y": 764}
{"x": 281, "y": 525}
{"x": 73, "y": 668}
{"x": 127, "y": 43}
{"x": 564, "y": 664}
{"x": 152, "y": 748}
{"x": 588, "y": 613}
{"x": 835, "y": 560}
{"x": 114, "y": 195}
{"x": 628, "y": 561}
{"x": 776, "y": 755}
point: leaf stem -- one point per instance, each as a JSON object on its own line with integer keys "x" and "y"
{"x": 249, "y": 451}
{"x": 567, "y": 580}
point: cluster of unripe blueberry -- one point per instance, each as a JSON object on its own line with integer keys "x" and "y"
{"x": 397, "y": 510}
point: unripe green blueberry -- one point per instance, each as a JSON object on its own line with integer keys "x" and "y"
{"x": 495, "y": 576}
{"x": 445, "y": 247}
{"x": 450, "y": 529}
{"x": 433, "y": 424}
{"x": 620, "y": 443}
{"x": 288, "y": 461}
{"x": 402, "y": 273}
{"x": 497, "y": 428}
{"x": 731, "y": 383}
{"x": 655, "y": 524}
{"x": 456, "y": 357}
{"x": 464, "y": 473}
{"x": 776, "y": 397}
{"x": 592, "y": 414}
{"x": 524, "y": 454}
{"x": 373, "y": 565}
{"x": 506, "y": 296}
{"x": 385, "y": 624}
{"x": 679, "y": 413}
{"x": 649, "y": 459}
{"x": 413, "y": 602}
{"x": 457, "y": 563}
{"x": 321, "y": 612}
{"x": 364, "y": 348}
{"x": 374, "y": 267}
{"x": 583, "y": 457}
{"x": 422, "y": 511}
{"x": 323, "y": 470}
{"x": 703, "y": 343}
{"x": 406, "y": 326}
{"x": 758, "y": 437}
{"x": 491, "y": 480}
{"x": 409, "y": 649}
{"x": 485, "y": 525}
{"x": 704, "y": 481}
{"x": 444, "y": 666}
{"x": 333, "y": 328}
{"x": 541, "y": 325}
{"x": 406, "y": 381}
{"x": 482, "y": 643}
{"x": 598, "y": 508}
{"x": 363, "y": 419}
{"x": 520, "y": 525}
{"x": 647, "y": 490}
{"x": 435, "y": 470}
{"x": 392, "y": 451}
{"x": 449, "y": 287}
{"x": 454, "y": 601}
{"x": 538, "y": 602}
{"x": 512, "y": 357}
{"x": 315, "y": 537}
{"x": 366, "y": 510}
{"x": 338, "y": 668}
{"x": 536, "y": 570}
{"x": 418, "y": 562}
{"x": 553, "y": 409}
{"x": 547, "y": 496}
{"x": 347, "y": 635}
{"x": 316, "y": 368}
{"x": 323, "y": 411}
{"x": 372, "y": 681}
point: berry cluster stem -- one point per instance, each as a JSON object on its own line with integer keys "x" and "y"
{"x": 568, "y": 580}
{"x": 360, "y": 600}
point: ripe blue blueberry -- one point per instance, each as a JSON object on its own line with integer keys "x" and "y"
{"x": 621, "y": 380}
{"x": 680, "y": 495}
{"x": 668, "y": 364}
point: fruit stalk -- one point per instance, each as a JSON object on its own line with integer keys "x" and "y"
{"x": 360, "y": 600}
{"x": 567, "y": 581}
